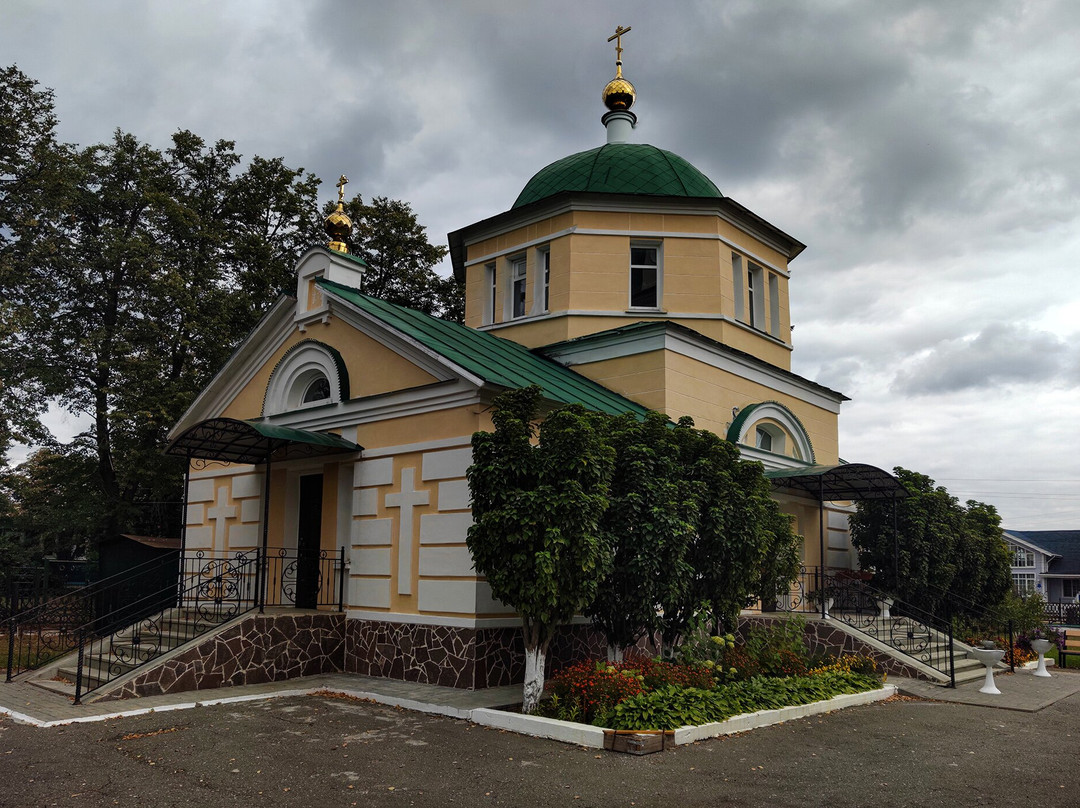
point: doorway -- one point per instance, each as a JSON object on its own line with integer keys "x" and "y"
{"x": 309, "y": 541}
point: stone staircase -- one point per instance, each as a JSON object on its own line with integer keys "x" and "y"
{"x": 114, "y": 656}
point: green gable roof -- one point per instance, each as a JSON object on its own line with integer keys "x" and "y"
{"x": 496, "y": 360}
{"x": 620, "y": 168}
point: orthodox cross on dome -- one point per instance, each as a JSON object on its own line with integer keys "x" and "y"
{"x": 617, "y": 36}
{"x": 341, "y": 183}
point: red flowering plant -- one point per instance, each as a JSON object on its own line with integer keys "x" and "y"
{"x": 589, "y": 690}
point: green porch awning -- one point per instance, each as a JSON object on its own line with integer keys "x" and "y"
{"x": 229, "y": 440}
{"x": 846, "y": 481}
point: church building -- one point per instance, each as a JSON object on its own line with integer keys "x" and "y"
{"x": 336, "y": 439}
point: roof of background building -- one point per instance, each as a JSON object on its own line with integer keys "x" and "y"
{"x": 619, "y": 168}
{"x": 1064, "y": 543}
{"x": 497, "y": 361}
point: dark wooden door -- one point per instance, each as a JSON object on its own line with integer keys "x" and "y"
{"x": 309, "y": 541}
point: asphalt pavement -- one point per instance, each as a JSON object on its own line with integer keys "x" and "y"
{"x": 335, "y": 751}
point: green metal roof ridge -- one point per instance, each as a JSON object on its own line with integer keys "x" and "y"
{"x": 493, "y": 359}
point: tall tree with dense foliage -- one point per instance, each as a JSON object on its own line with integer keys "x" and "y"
{"x": 940, "y": 546}
{"x": 650, "y": 524}
{"x": 742, "y": 545}
{"x": 401, "y": 261}
{"x": 536, "y": 507}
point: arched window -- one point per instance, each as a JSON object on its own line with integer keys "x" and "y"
{"x": 310, "y": 374}
{"x": 769, "y": 426}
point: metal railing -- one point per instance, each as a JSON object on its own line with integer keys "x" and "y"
{"x": 132, "y": 618}
{"x": 905, "y": 628}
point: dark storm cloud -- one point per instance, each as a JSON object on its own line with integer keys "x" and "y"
{"x": 1002, "y": 354}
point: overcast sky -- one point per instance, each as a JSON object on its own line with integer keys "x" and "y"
{"x": 926, "y": 152}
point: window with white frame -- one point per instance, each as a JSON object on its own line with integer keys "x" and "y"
{"x": 1070, "y": 587}
{"x": 774, "y": 305}
{"x": 491, "y": 288}
{"x": 738, "y": 274}
{"x": 518, "y": 278}
{"x": 755, "y": 296}
{"x": 645, "y": 276}
{"x": 1023, "y": 583}
{"x": 1022, "y": 556}
{"x": 763, "y": 439}
{"x": 543, "y": 278}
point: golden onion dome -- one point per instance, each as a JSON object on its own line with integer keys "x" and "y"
{"x": 619, "y": 94}
{"x": 338, "y": 225}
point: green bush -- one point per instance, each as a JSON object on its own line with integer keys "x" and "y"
{"x": 671, "y": 707}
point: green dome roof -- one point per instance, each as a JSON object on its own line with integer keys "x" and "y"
{"x": 619, "y": 168}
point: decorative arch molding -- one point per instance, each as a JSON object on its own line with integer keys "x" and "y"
{"x": 304, "y": 365}
{"x": 743, "y": 429}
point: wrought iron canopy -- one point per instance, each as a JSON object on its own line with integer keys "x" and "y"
{"x": 847, "y": 481}
{"x": 230, "y": 440}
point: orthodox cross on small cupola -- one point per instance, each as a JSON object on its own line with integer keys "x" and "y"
{"x": 619, "y": 96}
{"x": 338, "y": 224}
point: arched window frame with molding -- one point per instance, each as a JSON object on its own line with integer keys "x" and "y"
{"x": 303, "y": 367}
{"x": 780, "y": 424}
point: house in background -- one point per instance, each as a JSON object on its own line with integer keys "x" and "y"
{"x": 1047, "y": 562}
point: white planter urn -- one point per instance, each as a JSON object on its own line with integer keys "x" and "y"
{"x": 1040, "y": 647}
{"x": 886, "y": 604}
{"x": 828, "y": 606}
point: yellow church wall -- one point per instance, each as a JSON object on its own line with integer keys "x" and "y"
{"x": 707, "y": 394}
{"x": 372, "y": 367}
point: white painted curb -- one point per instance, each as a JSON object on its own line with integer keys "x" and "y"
{"x": 553, "y": 728}
{"x": 593, "y": 737}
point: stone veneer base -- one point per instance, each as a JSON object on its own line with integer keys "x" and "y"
{"x": 465, "y": 658}
{"x": 261, "y": 648}
{"x": 270, "y": 648}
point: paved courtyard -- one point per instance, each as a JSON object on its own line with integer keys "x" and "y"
{"x": 323, "y": 751}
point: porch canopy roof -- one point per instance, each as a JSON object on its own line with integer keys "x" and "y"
{"x": 846, "y": 481}
{"x": 229, "y": 440}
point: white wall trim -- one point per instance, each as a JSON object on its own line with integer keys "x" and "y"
{"x": 421, "y": 446}
{"x": 519, "y": 248}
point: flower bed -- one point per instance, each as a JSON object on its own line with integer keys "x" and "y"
{"x": 716, "y": 678}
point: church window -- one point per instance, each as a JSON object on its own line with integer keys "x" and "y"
{"x": 518, "y": 276}
{"x": 739, "y": 275}
{"x": 763, "y": 440}
{"x": 317, "y": 390}
{"x": 492, "y": 294}
{"x": 543, "y": 256}
{"x": 645, "y": 276}
{"x": 774, "y": 305}
{"x": 755, "y": 297}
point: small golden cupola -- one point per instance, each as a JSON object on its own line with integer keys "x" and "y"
{"x": 338, "y": 224}
{"x": 619, "y": 95}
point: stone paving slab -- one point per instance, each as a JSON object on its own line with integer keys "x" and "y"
{"x": 1021, "y": 690}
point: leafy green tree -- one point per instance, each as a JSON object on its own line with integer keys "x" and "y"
{"x": 649, "y": 523}
{"x": 401, "y": 261}
{"x": 536, "y": 535}
{"x": 940, "y": 546}
{"x": 742, "y": 544}
{"x": 31, "y": 179}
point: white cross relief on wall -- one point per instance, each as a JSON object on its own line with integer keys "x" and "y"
{"x": 408, "y": 497}
{"x": 221, "y": 511}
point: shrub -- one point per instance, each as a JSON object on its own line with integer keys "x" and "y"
{"x": 670, "y": 708}
{"x": 584, "y": 691}
{"x": 847, "y": 663}
{"x": 779, "y": 647}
